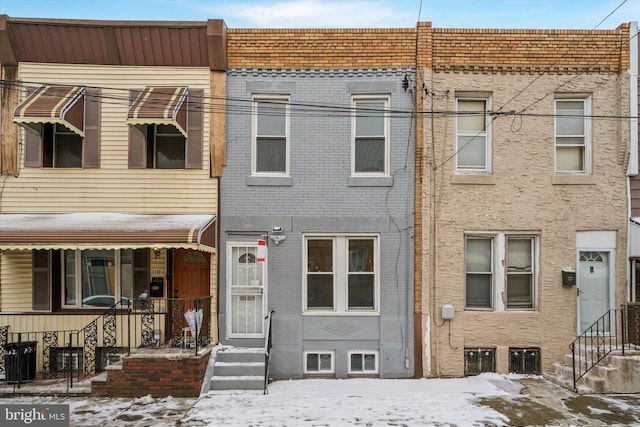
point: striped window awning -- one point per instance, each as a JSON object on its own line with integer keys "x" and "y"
{"x": 52, "y": 104}
{"x": 106, "y": 230}
{"x": 160, "y": 105}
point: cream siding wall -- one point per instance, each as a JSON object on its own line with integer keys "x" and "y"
{"x": 113, "y": 187}
{"x": 518, "y": 196}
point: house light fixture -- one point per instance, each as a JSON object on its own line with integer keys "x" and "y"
{"x": 276, "y": 235}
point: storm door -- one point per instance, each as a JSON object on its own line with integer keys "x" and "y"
{"x": 246, "y": 290}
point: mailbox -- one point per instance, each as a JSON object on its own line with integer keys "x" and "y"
{"x": 568, "y": 276}
{"x": 157, "y": 287}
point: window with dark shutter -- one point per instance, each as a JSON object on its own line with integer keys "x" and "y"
{"x": 41, "y": 279}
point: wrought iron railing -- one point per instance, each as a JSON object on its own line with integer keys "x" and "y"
{"x": 610, "y": 332}
{"x": 75, "y": 354}
{"x": 267, "y": 349}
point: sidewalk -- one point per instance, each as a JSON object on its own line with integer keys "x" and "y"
{"x": 487, "y": 399}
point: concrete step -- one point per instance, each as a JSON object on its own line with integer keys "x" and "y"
{"x": 243, "y": 355}
{"x": 244, "y": 382}
{"x": 238, "y": 368}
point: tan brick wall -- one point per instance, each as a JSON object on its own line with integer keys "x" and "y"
{"x": 524, "y": 199}
{"x": 527, "y": 51}
{"x": 321, "y": 48}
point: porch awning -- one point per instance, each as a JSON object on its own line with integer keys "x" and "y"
{"x": 160, "y": 105}
{"x": 52, "y": 104}
{"x": 103, "y": 230}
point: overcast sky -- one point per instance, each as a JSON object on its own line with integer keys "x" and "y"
{"x": 583, "y": 14}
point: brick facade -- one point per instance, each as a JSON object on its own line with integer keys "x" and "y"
{"x": 161, "y": 375}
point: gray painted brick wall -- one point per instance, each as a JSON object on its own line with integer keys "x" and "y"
{"x": 321, "y": 199}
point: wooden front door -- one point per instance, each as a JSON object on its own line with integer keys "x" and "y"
{"x": 191, "y": 275}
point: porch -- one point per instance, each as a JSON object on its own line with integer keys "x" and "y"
{"x": 172, "y": 335}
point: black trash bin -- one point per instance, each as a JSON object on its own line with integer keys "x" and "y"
{"x": 20, "y": 361}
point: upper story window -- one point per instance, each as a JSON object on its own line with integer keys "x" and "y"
{"x": 473, "y": 136}
{"x": 61, "y": 127}
{"x": 270, "y": 147}
{"x": 500, "y": 271}
{"x": 341, "y": 274}
{"x": 572, "y": 135}
{"x": 370, "y": 134}
{"x": 165, "y": 147}
{"x": 165, "y": 128}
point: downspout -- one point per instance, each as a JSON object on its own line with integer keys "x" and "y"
{"x": 632, "y": 167}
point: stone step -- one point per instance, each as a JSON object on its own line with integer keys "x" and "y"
{"x": 244, "y": 382}
{"x": 238, "y": 368}
{"x": 244, "y": 355}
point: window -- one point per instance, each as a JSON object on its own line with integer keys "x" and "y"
{"x": 572, "y": 135}
{"x": 524, "y": 360}
{"x": 271, "y": 136}
{"x": 61, "y": 148}
{"x": 370, "y": 151}
{"x": 363, "y": 362}
{"x": 479, "y": 360}
{"x": 341, "y": 274}
{"x": 63, "y": 144}
{"x": 165, "y": 147}
{"x": 519, "y": 272}
{"x": 88, "y": 278}
{"x": 506, "y": 282}
{"x": 166, "y": 128}
{"x": 318, "y": 362}
{"x": 473, "y": 144}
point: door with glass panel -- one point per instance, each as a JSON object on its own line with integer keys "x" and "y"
{"x": 246, "y": 291}
{"x": 593, "y": 288}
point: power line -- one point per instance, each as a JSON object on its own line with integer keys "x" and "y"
{"x": 245, "y": 106}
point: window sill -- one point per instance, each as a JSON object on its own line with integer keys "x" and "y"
{"x": 573, "y": 180}
{"x": 342, "y": 313}
{"x": 370, "y": 181}
{"x": 269, "y": 181}
{"x": 473, "y": 179}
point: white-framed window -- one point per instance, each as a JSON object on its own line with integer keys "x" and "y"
{"x": 270, "y": 148}
{"x": 96, "y": 278}
{"x": 572, "y": 134}
{"x": 363, "y": 361}
{"x": 473, "y": 134}
{"x": 319, "y": 362}
{"x": 500, "y": 271}
{"x": 341, "y": 274}
{"x": 370, "y": 136}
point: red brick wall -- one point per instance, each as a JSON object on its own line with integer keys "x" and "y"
{"x": 158, "y": 376}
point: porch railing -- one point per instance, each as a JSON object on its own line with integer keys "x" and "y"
{"x": 610, "y": 332}
{"x": 267, "y": 350}
{"x": 75, "y": 354}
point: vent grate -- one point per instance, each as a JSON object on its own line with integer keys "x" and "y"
{"x": 479, "y": 360}
{"x": 524, "y": 360}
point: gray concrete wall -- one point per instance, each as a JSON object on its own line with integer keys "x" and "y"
{"x": 320, "y": 197}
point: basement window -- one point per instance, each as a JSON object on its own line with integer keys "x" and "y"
{"x": 479, "y": 360}
{"x": 318, "y": 362}
{"x": 524, "y": 360}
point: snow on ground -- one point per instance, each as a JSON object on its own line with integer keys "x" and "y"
{"x": 370, "y": 402}
{"x": 317, "y": 402}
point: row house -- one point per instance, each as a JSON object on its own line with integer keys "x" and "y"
{"x": 316, "y": 200}
{"x": 368, "y": 202}
{"x": 524, "y": 148}
{"x": 110, "y": 162}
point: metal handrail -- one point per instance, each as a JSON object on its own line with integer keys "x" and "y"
{"x": 603, "y": 336}
{"x": 267, "y": 350}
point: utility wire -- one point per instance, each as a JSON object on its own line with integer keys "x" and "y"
{"x": 563, "y": 55}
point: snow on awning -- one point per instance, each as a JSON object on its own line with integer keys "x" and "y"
{"x": 160, "y": 105}
{"x": 52, "y": 104}
{"x": 103, "y": 230}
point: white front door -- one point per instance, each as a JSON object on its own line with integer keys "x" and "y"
{"x": 593, "y": 288}
{"x": 246, "y": 290}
